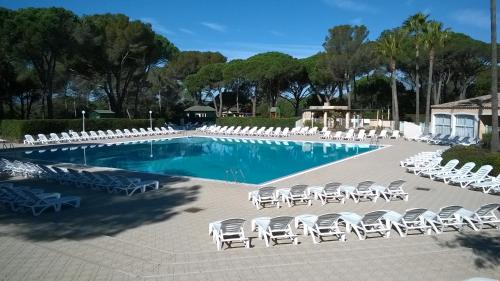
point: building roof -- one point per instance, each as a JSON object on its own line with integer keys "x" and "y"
{"x": 200, "y": 108}
{"x": 472, "y": 103}
{"x": 104, "y": 111}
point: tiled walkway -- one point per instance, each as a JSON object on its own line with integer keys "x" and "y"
{"x": 162, "y": 235}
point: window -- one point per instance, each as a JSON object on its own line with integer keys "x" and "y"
{"x": 465, "y": 125}
{"x": 442, "y": 124}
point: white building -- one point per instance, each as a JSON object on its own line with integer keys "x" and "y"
{"x": 464, "y": 118}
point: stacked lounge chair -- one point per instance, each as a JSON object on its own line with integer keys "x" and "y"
{"x": 428, "y": 164}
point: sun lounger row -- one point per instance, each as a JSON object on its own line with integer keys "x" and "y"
{"x": 246, "y": 131}
{"x": 22, "y": 199}
{"x": 366, "y": 190}
{"x": 94, "y": 180}
{"x": 361, "y": 135}
{"x": 429, "y": 165}
{"x": 337, "y": 225}
{"x": 97, "y": 135}
{"x": 442, "y": 139}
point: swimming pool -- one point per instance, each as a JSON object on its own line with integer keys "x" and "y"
{"x": 242, "y": 160}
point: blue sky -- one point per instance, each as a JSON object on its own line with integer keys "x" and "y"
{"x": 239, "y": 29}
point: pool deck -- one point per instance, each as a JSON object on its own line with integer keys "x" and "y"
{"x": 163, "y": 235}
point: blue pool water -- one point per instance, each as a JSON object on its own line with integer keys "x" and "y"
{"x": 242, "y": 160}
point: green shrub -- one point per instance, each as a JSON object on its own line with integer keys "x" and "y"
{"x": 257, "y": 121}
{"x": 477, "y": 155}
{"x": 309, "y": 123}
{"x": 486, "y": 140}
{"x": 16, "y": 129}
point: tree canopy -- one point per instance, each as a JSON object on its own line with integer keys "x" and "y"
{"x": 51, "y": 58}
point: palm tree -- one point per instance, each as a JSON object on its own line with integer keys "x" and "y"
{"x": 434, "y": 37}
{"x": 494, "y": 95}
{"x": 415, "y": 25}
{"x": 389, "y": 47}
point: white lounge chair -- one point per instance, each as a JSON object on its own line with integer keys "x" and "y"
{"x": 487, "y": 184}
{"x": 228, "y": 231}
{"x": 476, "y": 177}
{"x": 393, "y": 190}
{"x": 38, "y": 203}
{"x": 103, "y": 135}
{"x": 264, "y": 195}
{"x": 349, "y": 135}
{"x": 370, "y": 223}
{"x": 237, "y": 130}
{"x": 268, "y": 132}
{"x": 274, "y": 229}
{"x": 277, "y": 132}
{"x": 324, "y": 130}
{"x": 361, "y": 135}
{"x": 53, "y": 138}
{"x": 65, "y": 137}
{"x": 383, "y": 134}
{"x": 362, "y": 190}
{"x": 294, "y": 194}
{"x": 75, "y": 136}
{"x": 457, "y": 173}
{"x": 326, "y": 225}
{"x": 285, "y": 132}
{"x": 251, "y": 131}
{"x": 395, "y": 134}
{"x": 172, "y": 130}
{"x": 130, "y": 186}
{"x": 119, "y": 133}
{"x": 439, "y": 170}
{"x": 338, "y": 135}
{"x": 202, "y": 128}
{"x": 28, "y": 139}
{"x": 331, "y": 191}
{"x": 229, "y": 130}
{"x": 313, "y": 131}
{"x": 412, "y": 219}
{"x": 94, "y": 135}
{"x": 326, "y": 135}
{"x": 484, "y": 215}
{"x": 371, "y": 134}
{"x": 110, "y": 134}
{"x": 144, "y": 132}
{"x": 446, "y": 217}
{"x": 425, "y": 166}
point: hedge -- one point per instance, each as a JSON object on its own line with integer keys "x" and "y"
{"x": 257, "y": 121}
{"x": 16, "y": 129}
{"x": 477, "y": 155}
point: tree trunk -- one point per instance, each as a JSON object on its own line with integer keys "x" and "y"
{"x": 254, "y": 105}
{"x": 417, "y": 88}
{"x": 348, "y": 95}
{"x": 439, "y": 90}
{"x": 494, "y": 77}
{"x": 463, "y": 92}
{"x": 429, "y": 88}
{"x": 217, "y": 113}
{"x": 220, "y": 103}
{"x": 395, "y": 105}
{"x": 237, "y": 103}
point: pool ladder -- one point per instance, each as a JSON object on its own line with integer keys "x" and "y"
{"x": 374, "y": 140}
{"x": 235, "y": 174}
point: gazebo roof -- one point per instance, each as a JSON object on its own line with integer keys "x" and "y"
{"x": 103, "y": 111}
{"x": 200, "y": 108}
